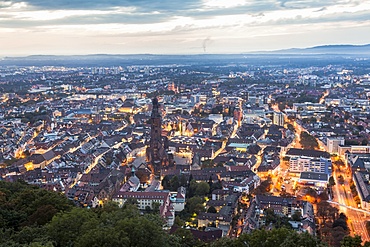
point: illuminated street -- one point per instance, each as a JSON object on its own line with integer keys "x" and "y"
{"x": 343, "y": 196}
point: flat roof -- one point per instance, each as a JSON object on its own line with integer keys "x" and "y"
{"x": 314, "y": 176}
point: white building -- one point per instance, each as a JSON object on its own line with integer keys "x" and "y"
{"x": 353, "y": 149}
{"x": 278, "y": 119}
{"x": 218, "y": 118}
{"x": 198, "y": 98}
{"x": 307, "y": 164}
{"x": 178, "y": 199}
{"x": 333, "y": 144}
{"x": 148, "y": 200}
{"x": 308, "y": 106}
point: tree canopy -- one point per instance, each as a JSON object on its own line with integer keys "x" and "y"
{"x": 274, "y": 238}
{"x": 33, "y": 217}
{"x": 24, "y": 205}
{"x": 308, "y": 141}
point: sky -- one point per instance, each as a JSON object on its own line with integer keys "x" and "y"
{"x": 74, "y": 27}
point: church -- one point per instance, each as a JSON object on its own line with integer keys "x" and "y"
{"x": 156, "y": 152}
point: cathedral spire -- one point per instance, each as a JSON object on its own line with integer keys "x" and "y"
{"x": 156, "y": 155}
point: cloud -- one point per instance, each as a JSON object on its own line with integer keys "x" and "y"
{"x": 302, "y": 4}
{"x": 166, "y": 21}
{"x": 144, "y": 5}
{"x": 93, "y": 12}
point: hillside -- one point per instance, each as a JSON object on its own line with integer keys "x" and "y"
{"x": 328, "y": 49}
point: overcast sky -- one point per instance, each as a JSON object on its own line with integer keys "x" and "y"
{"x": 178, "y": 27}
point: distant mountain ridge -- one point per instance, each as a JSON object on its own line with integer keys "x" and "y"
{"x": 312, "y": 54}
{"x": 326, "y": 49}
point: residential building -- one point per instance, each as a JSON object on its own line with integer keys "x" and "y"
{"x": 280, "y": 205}
{"x": 333, "y": 144}
{"x": 308, "y": 164}
{"x": 353, "y": 149}
{"x": 361, "y": 180}
{"x": 147, "y": 200}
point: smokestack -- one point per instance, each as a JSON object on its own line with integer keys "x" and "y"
{"x": 207, "y": 40}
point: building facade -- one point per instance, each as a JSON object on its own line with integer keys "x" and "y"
{"x": 333, "y": 144}
{"x": 149, "y": 200}
{"x": 278, "y": 119}
{"x": 308, "y": 164}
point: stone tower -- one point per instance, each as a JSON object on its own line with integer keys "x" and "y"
{"x": 156, "y": 154}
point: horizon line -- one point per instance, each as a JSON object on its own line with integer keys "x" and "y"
{"x": 262, "y": 52}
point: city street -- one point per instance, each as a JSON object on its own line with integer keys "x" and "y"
{"x": 343, "y": 196}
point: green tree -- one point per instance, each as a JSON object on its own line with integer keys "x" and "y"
{"x": 103, "y": 236}
{"x": 338, "y": 233}
{"x": 212, "y": 210}
{"x": 42, "y": 215}
{"x": 216, "y": 186}
{"x": 264, "y": 187}
{"x": 323, "y": 196}
{"x": 277, "y": 237}
{"x": 294, "y": 239}
{"x": 175, "y": 183}
{"x": 331, "y": 181}
{"x": 202, "y": 189}
{"x": 310, "y": 192}
{"x": 308, "y": 141}
{"x": 192, "y": 187}
{"x": 183, "y": 180}
{"x": 166, "y": 183}
{"x": 155, "y": 207}
{"x": 24, "y": 205}
{"x": 41, "y": 244}
{"x": 349, "y": 241}
{"x": 143, "y": 231}
{"x": 178, "y": 222}
{"x": 269, "y": 215}
{"x": 195, "y": 205}
{"x": 66, "y": 227}
{"x": 297, "y": 216}
{"x": 29, "y": 235}
{"x": 186, "y": 238}
{"x": 341, "y": 221}
{"x": 228, "y": 242}
{"x": 326, "y": 211}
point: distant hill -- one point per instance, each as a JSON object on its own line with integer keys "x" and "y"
{"x": 117, "y": 59}
{"x": 312, "y": 55}
{"x": 327, "y": 49}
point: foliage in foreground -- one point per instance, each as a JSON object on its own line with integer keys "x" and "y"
{"x": 281, "y": 237}
{"x": 32, "y": 217}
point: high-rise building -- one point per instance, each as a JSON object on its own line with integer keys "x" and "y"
{"x": 156, "y": 153}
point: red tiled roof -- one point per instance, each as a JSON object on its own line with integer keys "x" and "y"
{"x": 142, "y": 195}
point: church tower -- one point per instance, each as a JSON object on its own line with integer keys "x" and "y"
{"x": 156, "y": 155}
